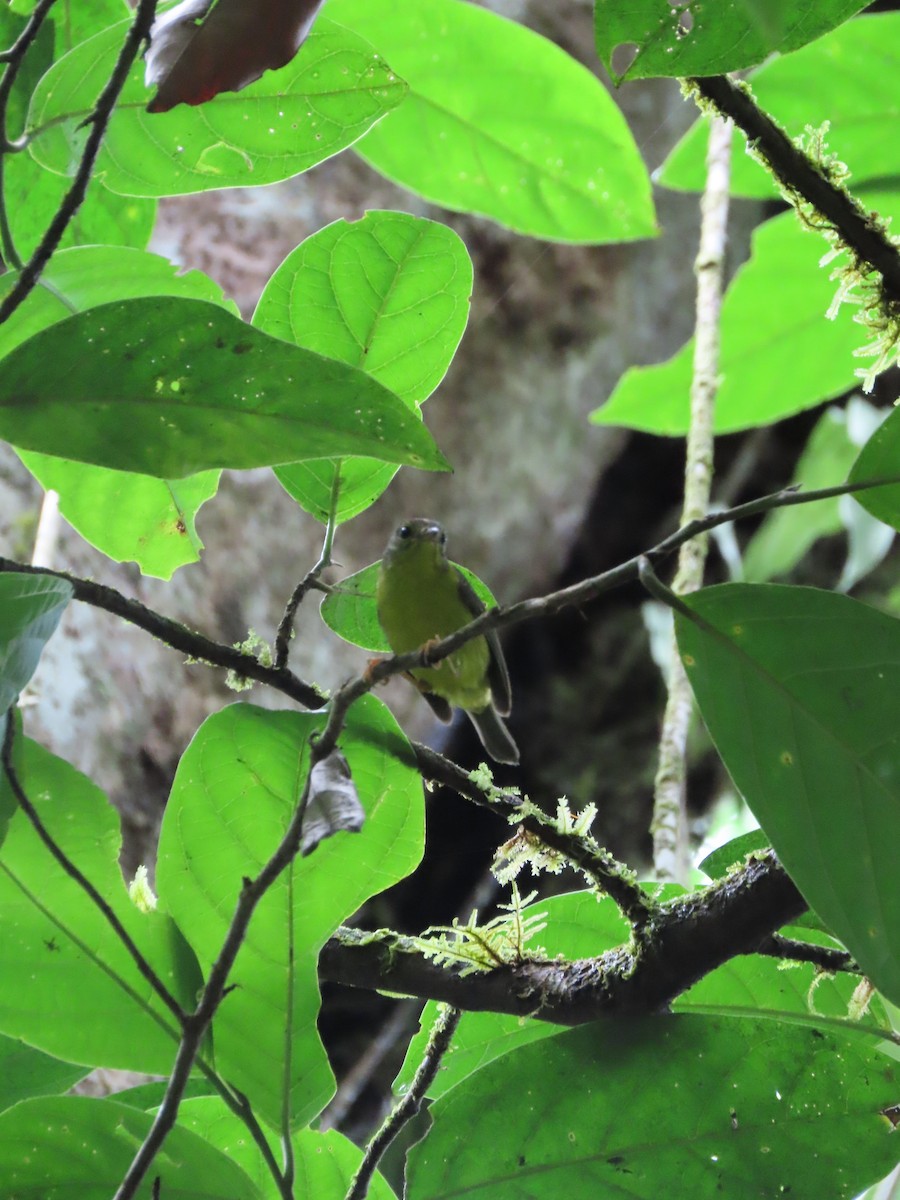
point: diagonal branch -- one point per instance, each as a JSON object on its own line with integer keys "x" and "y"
{"x": 98, "y": 121}
{"x": 799, "y": 176}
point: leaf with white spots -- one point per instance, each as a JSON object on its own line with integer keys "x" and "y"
{"x": 722, "y": 1106}
{"x": 800, "y": 690}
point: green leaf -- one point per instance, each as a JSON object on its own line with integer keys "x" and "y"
{"x": 73, "y": 1146}
{"x": 170, "y": 389}
{"x": 846, "y": 77}
{"x": 352, "y": 613}
{"x": 709, "y": 39}
{"x": 234, "y": 794}
{"x": 326, "y": 1162}
{"x": 755, "y": 985}
{"x": 389, "y": 294}
{"x": 26, "y": 1072}
{"x": 799, "y": 689}
{"x": 126, "y": 516}
{"x": 720, "y": 861}
{"x": 730, "y": 1107}
{"x": 880, "y": 459}
{"x": 787, "y": 533}
{"x": 67, "y": 984}
{"x": 286, "y": 122}
{"x": 32, "y": 194}
{"x": 30, "y": 609}
{"x": 773, "y": 328}
{"x": 130, "y": 518}
{"x": 579, "y": 926}
{"x": 503, "y": 123}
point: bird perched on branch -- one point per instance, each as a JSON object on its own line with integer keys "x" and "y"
{"x": 422, "y": 597}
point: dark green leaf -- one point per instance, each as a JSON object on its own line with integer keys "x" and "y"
{"x": 351, "y": 609}
{"x": 502, "y": 122}
{"x": 880, "y": 459}
{"x": 708, "y": 39}
{"x": 170, "y": 389}
{"x": 67, "y": 984}
{"x": 800, "y": 690}
{"x": 30, "y": 609}
{"x": 733, "y": 853}
{"x": 389, "y": 294}
{"x": 73, "y": 1146}
{"x": 26, "y": 1072}
{"x": 728, "y": 1107}
{"x": 286, "y": 122}
{"x": 235, "y": 791}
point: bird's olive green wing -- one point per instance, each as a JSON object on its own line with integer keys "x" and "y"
{"x": 498, "y": 676}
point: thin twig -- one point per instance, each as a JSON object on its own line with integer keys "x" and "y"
{"x": 195, "y": 645}
{"x": 826, "y": 958}
{"x": 670, "y": 843}
{"x": 798, "y": 175}
{"x": 438, "y": 1044}
{"x": 178, "y": 636}
{"x": 138, "y": 33}
{"x": 604, "y": 871}
{"x": 70, "y": 869}
{"x": 309, "y": 580}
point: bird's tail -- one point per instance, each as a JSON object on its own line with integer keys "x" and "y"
{"x": 495, "y": 737}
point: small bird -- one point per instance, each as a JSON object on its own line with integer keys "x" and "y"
{"x": 422, "y": 597}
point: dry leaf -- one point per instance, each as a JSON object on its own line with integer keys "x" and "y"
{"x": 200, "y": 48}
{"x": 333, "y": 805}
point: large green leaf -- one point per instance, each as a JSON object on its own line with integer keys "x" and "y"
{"x": 125, "y": 515}
{"x": 30, "y": 609}
{"x": 722, "y": 1106}
{"x": 800, "y": 690}
{"x": 389, "y": 294}
{"x": 779, "y": 354}
{"x": 73, "y": 1146}
{"x": 501, "y": 122}
{"x": 286, "y": 122}
{"x": 170, "y": 389}
{"x": 709, "y": 38}
{"x": 351, "y": 610}
{"x": 234, "y": 793}
{"x": 67, "y": 984}
{"x": 847, "y": 77}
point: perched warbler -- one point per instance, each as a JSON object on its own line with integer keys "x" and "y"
{"x": 422, "y": 597}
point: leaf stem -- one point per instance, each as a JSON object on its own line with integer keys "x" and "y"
{"x": 309, "y": 580}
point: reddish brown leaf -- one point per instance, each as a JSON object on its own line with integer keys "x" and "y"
{"x": 200, "y": 48}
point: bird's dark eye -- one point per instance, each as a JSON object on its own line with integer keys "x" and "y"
{"x": 443, "y": 538}
{"x": 404, "y": 531}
